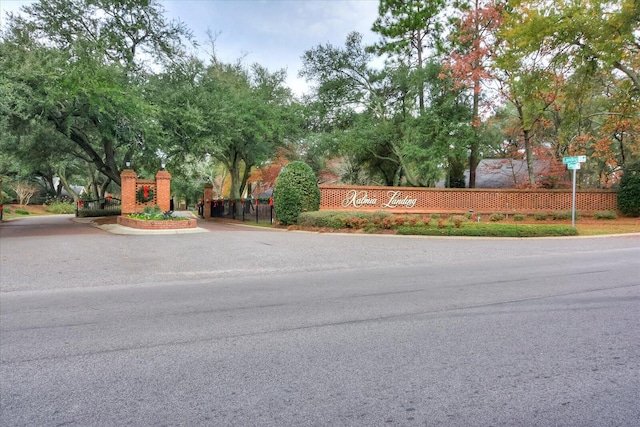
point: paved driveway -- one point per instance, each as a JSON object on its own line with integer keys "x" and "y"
{"x": 263, "y": 327}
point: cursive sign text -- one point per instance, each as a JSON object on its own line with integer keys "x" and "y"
{"x": 395, "y": 200}
{"x": 358, "y": 199}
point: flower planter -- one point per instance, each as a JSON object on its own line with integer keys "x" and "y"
{"x": 157, "y": 224}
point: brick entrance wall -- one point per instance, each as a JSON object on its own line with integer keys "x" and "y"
{"x": 437, "y": 200}
{"x": 130, "y": 184}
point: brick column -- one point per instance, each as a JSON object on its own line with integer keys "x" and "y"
{"x": 163, "y": 190}
{"x": 207, "y": 200}
{"x": 128, "y": 179}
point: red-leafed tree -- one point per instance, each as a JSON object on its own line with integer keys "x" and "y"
{"x": 263, "y": 178}
{"x": 469, "y": 63}
{"x": 617, "y": 140}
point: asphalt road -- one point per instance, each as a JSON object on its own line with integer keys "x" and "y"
{"x": 247, "y": 327}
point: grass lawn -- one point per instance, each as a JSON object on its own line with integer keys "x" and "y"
{"x": 10, "y": 211}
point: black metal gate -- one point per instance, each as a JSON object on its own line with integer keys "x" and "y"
{"x": 99, "y": 207}
{"x": 258, "y": 210}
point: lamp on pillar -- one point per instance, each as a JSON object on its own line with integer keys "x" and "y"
{"x": 127, "y": 163}
{"x": 163, "y": 164}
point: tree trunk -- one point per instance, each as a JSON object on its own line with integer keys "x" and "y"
{"x": 421, "y": 86}
{"x": 65, "y": 184}
{"x": 473, "y": 149}
{"x": 528, "y": 152}
{"x": 245, "y": 177}
{"x": 234, "y": 172}
{"x": 110, "y": 171}
{"x": 529, "y": 157}
{"x": 103, "y": 188}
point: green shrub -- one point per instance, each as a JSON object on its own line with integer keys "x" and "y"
{"x": 4, "y": 198}
{"x": 296, "y": 191}
{"x": 22, "y": 212}
{"x": 346, "y": 219}
{"x": 435, "y": 216}
{"x": 61, "y": 208}
{"x": 155, "y": 214}
{"x": 518, "y": 217}
{"x": 355, "y": 222}
{"x": 322, "y": 219}
{"x": 496, "y": 217}
{"x": 151, "y": 210}
{"x": 540, "y": 217}
{"x": 562, "y": 215}
{"x": 375, "y": 221}
{"x": 492, "y": 230}
{"x": 51, "y": 199}
{"x": 629, "y": 191}
{"x": 457, "y": 220}
{"x": 605, "y": 215}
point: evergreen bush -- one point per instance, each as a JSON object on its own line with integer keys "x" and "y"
{"x": 346, "y": 219}
{"x": 562, "y": 215}
{"x": 629, "y": 191}
{"x": 492, "y": 230}
{"x": 605, "y": 215}
{"x": 296, "y": 191}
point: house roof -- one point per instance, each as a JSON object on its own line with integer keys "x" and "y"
{"x": 506, "y": 173}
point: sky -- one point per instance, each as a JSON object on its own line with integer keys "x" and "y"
{"x": 273, "y": 33}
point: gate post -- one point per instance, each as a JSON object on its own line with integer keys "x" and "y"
{"x": 207, "y": 200}
{"x": 163, "y": 190}
{"x": 128, "y": 179}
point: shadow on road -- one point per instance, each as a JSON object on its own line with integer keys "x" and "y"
{"x": 49, "y": 225}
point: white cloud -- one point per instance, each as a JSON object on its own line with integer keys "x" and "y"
{"x": 276, "y": 33}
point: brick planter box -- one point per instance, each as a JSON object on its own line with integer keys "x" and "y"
{"x": 157, "y": 225}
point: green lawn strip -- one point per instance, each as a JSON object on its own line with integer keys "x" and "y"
{"x": 491, "y": 230}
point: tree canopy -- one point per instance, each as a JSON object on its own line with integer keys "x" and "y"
{"x": 86, "y": 85}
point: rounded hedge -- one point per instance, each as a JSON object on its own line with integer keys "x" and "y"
{"x": 296, "y": 191}
{"x": 629, "y": 191}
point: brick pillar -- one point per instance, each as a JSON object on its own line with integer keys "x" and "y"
{"x": 207, "y": 200}
{"x": 128, "y": 179}
{"x": 163, "y": 190}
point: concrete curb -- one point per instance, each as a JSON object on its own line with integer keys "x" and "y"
{"x": 121, "y": 229}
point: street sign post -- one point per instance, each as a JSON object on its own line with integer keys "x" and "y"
{"x": 573, "y": 159}
{"x": 573, "y": 164}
